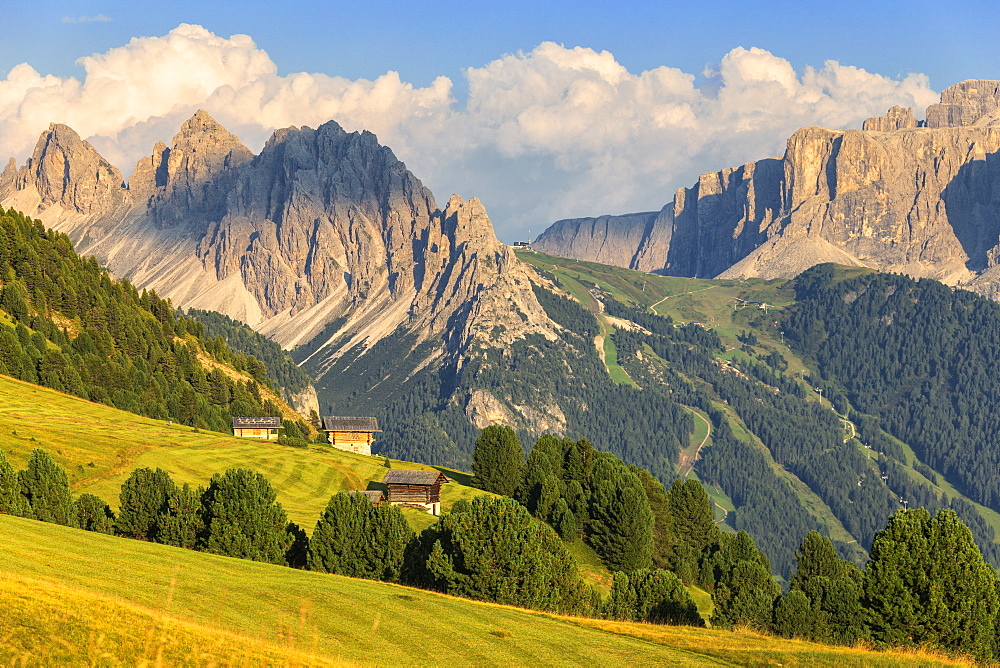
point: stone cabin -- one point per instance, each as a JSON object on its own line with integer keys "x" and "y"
{"x": 415, "y": 489}
{"x": 257, "y": 427}
{"x": 352, "y": 434}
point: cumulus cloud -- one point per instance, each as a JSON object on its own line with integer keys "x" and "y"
{"x": 552, "y": 133}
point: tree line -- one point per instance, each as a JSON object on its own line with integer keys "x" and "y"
{"x": 926, "y": 583}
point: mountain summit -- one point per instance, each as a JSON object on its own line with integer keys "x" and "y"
{"x": 325, "y": 238}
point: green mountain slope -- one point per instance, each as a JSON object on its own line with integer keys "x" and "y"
{"x": 113, "y": 599}
{"x": 65, "y": 324}
{"x": 779, "y": 450}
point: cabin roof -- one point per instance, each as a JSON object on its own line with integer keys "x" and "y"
{"x": 257, "y": 423}
{"x": 408, "y": 477}
{"x": 331, "y": 423}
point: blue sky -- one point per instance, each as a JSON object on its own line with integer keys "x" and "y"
{"x": 533, "y": 172}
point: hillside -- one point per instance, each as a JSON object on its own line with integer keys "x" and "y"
{"x": 780, "y": 457}
{"x": 113, "y": 598}
{"x": 65, "y": 323}
{"x": 99, "y": 446}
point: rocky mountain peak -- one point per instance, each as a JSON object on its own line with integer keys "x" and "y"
{"x": 180, "y": 179}
{"x": 897, "y": 118}
{"x": 971, "y": 102}
{"x": 66, "y": 170}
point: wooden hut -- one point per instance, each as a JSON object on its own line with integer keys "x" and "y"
{"x": 415, "y": 489}
{"x": 353, "y": 434}
{"x": 257, "y": 427}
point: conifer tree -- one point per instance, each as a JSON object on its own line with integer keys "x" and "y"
{"x": 832, "y": 587}
{"x": 621, "y": 522}
{"x": 793, "y": 615}
{"x": 498, "y": 460}
{"x": 745, "y": 592}
{"x": 242, "y": 518}
{"x": 12, "y": 502}
{"x": 353, "y": 537}
{"x": 93, "y": 514}
{"x": 496, "y": 551}
{"x": 143, "y": 502}
{"x": 45, "y": 485}
{"x": 652, "y": 595}
{"x": 927, "y": 584}
{"x": 179, "y": 521}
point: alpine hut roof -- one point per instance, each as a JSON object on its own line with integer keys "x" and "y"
{"x": 350, "y": 424}
{"x": 256, "y": 423}
{"x": 407, "y": 477}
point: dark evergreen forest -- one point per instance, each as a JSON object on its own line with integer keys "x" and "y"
{"x": 70, "y": 327}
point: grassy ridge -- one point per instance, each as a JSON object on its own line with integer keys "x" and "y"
{"x": 69, "y": 596}
{"x": 99, "y": 446}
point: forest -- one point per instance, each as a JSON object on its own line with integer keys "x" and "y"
{"x": 70, "y": 327}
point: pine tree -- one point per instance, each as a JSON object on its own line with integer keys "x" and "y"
{"x": 179, "y": 520}
{"x": 927, "y": 584}
{"x": 744, "y": 592}
{"x": 45, "y": 485}
{"x": 12, "y": 502}
{"x": 793, "y": 615}
{"x": 242, "y": 518}
{"x": 498, "y": 460}
{"x": 353, "y": 537}
{"x": 621, "y": 522}
{"x": 93, "y": 514}
{"x": 143, "y": 502}
{"x": 832, "y": 587}
{"x": 661, "y": 598}
{"x": 496, "y": 551}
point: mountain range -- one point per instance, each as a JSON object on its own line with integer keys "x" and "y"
{"x": 324, "y": 238}
{"x": 919, "y": 198}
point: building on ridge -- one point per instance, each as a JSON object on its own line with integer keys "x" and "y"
{"x": 352, "y": 434}
{"x": 257, "y": 427}
{"x": 415, "y": 489}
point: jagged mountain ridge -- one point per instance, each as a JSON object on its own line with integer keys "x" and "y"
{"x": 916, "y": 198}
{"x": 322, "y": 228}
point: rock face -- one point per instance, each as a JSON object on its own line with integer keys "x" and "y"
{"x": 897, "y": 118}
{"x": 896, "y": 196}
{"x": 632, "y": 240}
{"x": 324, "y": 238}
{"x": 972, "y": 102}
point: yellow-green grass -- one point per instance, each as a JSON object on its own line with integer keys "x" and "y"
{"x": 100, "y": 446}
{"x": 592, "y": 569}
{"x": 703, "y": 600}
{"x": 79, "y": 598}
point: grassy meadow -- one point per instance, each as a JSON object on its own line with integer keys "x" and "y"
{"x": 100, "y": 446}
{"x": 73, "y": 597}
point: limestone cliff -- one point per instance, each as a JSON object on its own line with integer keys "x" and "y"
{"x": 632, "y": 240}
{"x": 917, "y": 198}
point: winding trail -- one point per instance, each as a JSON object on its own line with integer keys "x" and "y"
{"x": 679, "y": 294}
{"x": 689, "y": 460}
{"x": 725, "y": 513}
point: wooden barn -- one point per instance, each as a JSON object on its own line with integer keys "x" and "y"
{"x": 353, "y": 434}
{"x": 257, "y": 427}
{"x": 415, "y": 489}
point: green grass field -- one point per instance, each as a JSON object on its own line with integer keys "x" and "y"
{"x": 69, "y": 597}
{"x": 100, "y": 446}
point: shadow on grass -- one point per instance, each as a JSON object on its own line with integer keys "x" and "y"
{"x": 456, "y": 476}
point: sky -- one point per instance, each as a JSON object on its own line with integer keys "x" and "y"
{"x": 544, "y": 110}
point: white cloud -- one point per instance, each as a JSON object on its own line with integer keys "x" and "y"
{"x": 552, "y": 133}
{"x": 99, "y": 18}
